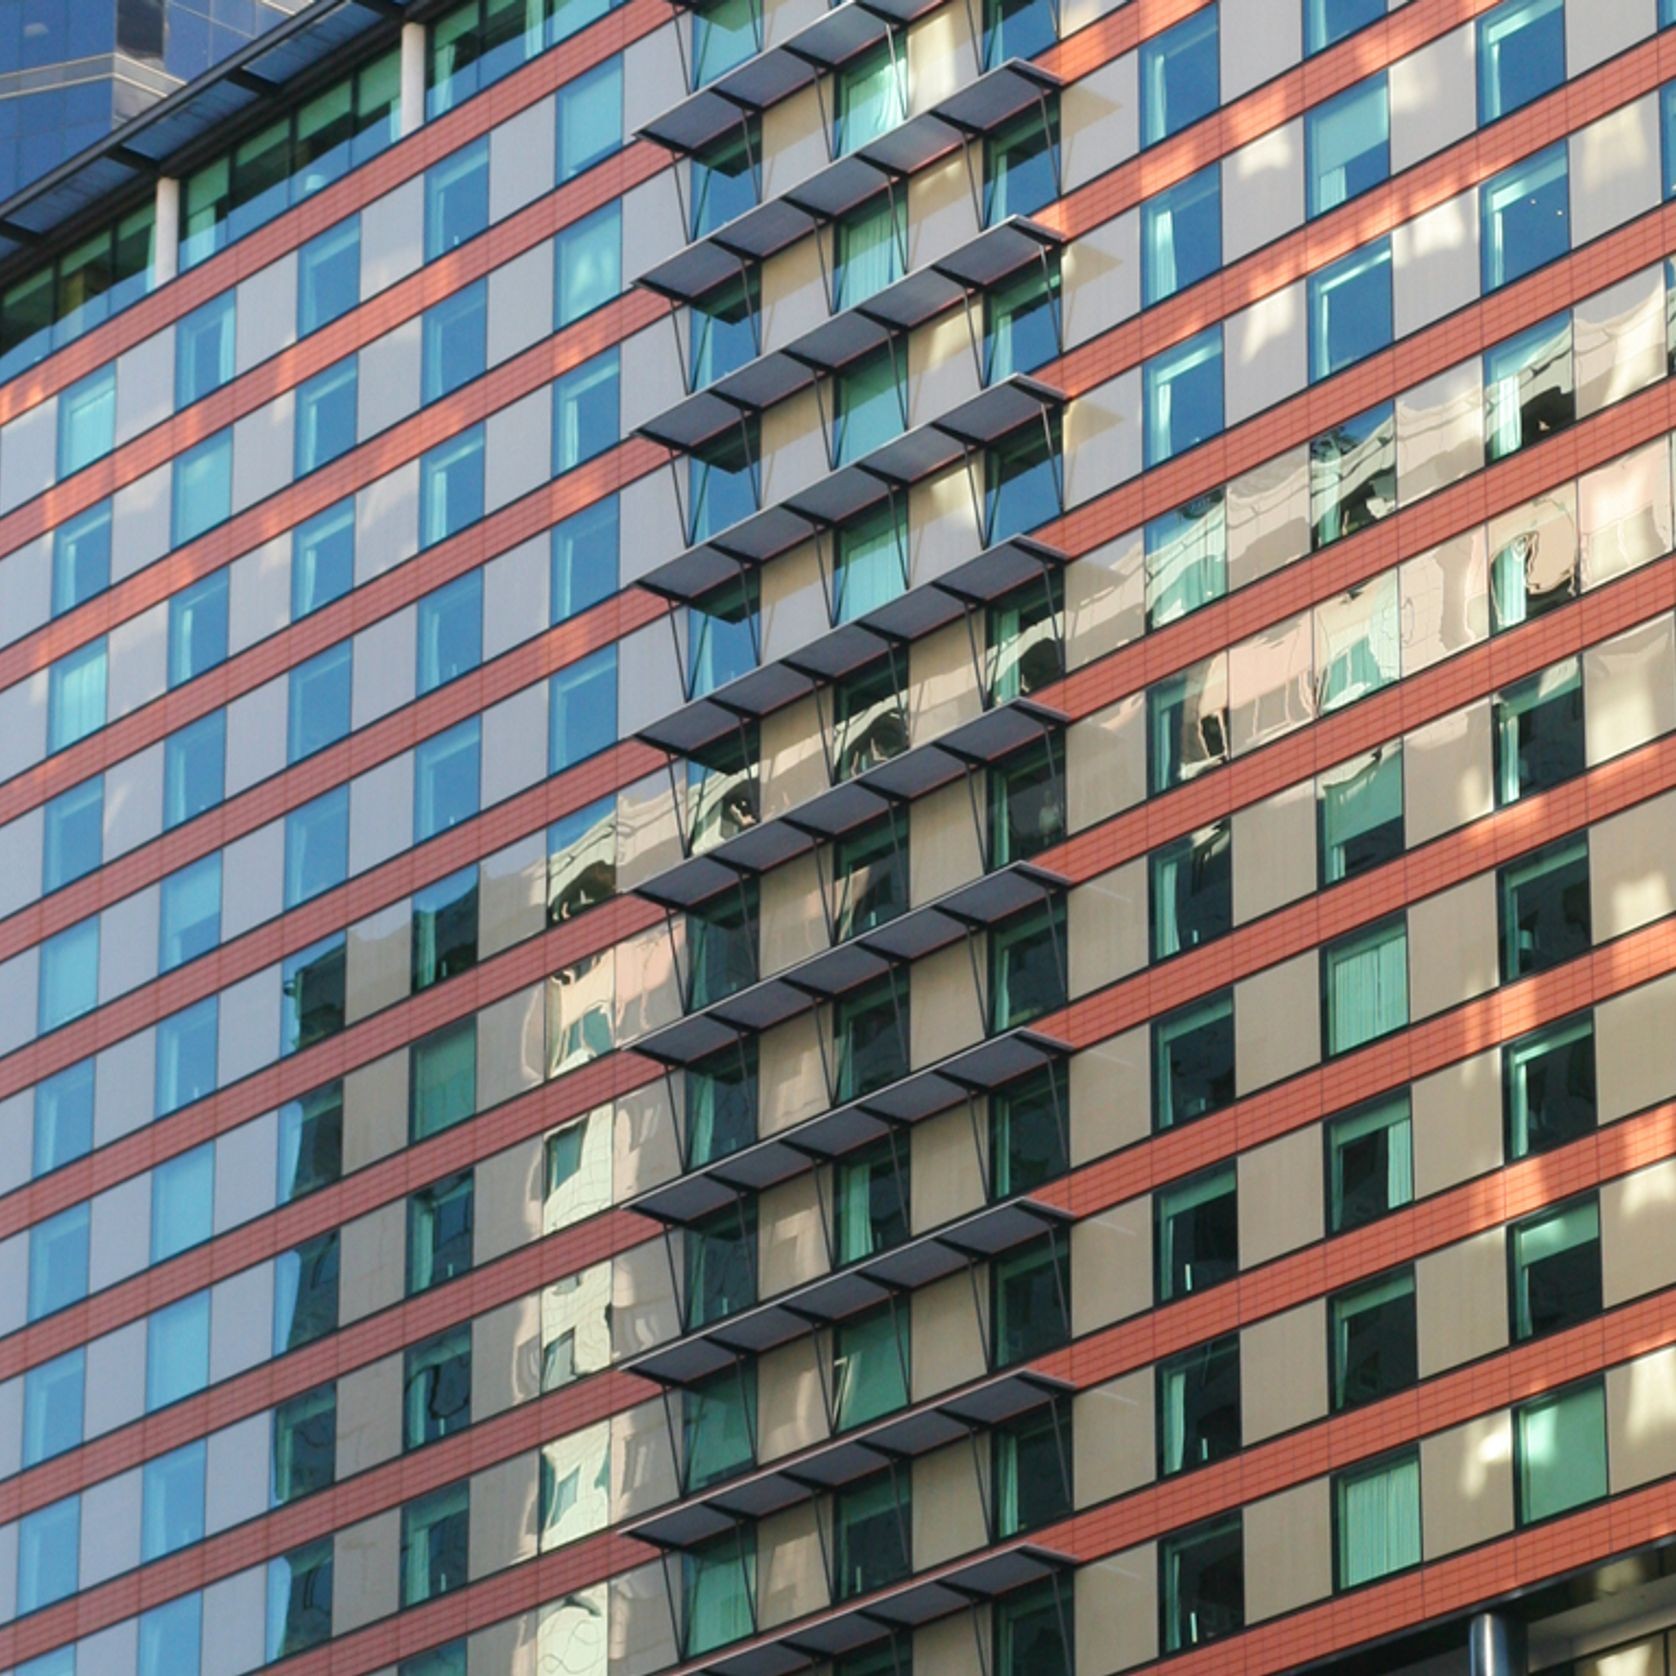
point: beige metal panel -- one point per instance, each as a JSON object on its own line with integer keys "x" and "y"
{"x": 946, "y": 1172}
{"x": 365, "y": 1561}
{"x": 793, "y": 757}
{"x": 263, "y": 447}
{"x": 791, "y": 1073}
{"x": 1268, "y": 517}
{"x": 643, "y": 1149}
{"x": 1629, "y": 689}
{"x": 791, "y": 1566}
{"x": 382, "y": 676}
{"x": 1434, "y": 263}
{"x": 945, "y": 1011}
{"x": 1283, "y": 1371}
{"x": 1445, "y": 595}
{"x": 643, "y": 1307}
{"x": 1280, "y": 1196}
{"x": 1624, "y": 514}
{"x": 1466, "y": 1484}
{"x": 255, "y": 735}
{"x": 942, "y": 369}
{"x": 942, "y": 525}
{"x": 954, "y": 1646}
{"x": 387, "y": 379}
{"x": 1111, "y": 1265}
{"x": 1632, "y": 870}
{"x": 942, "y": 56}
{"x": 949, "y": 1338}
{"x": 1100, "y": 278}
{"x": 649, "y": 376}
{"x": 1274, "y": 852}
{"x": 265, "y": 308}
{"x": 794, "y": 444}
{"x": 1113, "y": 1437}
{"x": 123, "y": 1077}
{"x": 642, "y": 1632}
{"x": 128, "y": 943}
{"x": 1105, "y": 762}
{"x": 507, "y": 1195}
{"x": 1460, "y": 1301}
{"x": 503, "y": 1514}
{"x": 509, "y": 1648}
{"x": 1078, "y": 14}
{"x": 649, "y": 507}
{"x": 1262, "y": 190}
{"x": 380, "y": 812}
{"x": 1641, "y": 1420}
{"x": 791, "y": 1236}
{"x": 1452, "y": 946}
{"x": 1265, "y": 356}
{"x": 510, "y": 1035}
{"x": 1258, "y": 41}
{"x": 1106, "y": 928}
{"x": 138, "y": 662}
{"x": 140, "y": 514}
{"x": 943, "y": 685}
{"x": 145, "y": 385}
{"x": 511, "y": 895}
{"x": 1440, "y": 431}
{"x": 1448, "y": 777}
{"x": 1103, "y": 438}
{"x": 1602, "y": 29}
{"x": 374, "y": 1262}
{"x": 369, "y": 1415}
{"x": 134, "y": 816}
{"x": 1456, "y": 1115}
{"x": 794, "y": 602}
{"x": 795, "y": 140}
{"x": 791, "y": 1410}
{"x": 653, "y": 76}
{"x": 1288, "y": 1550}
{"x": 1614, "y": 169}
{"x": 648, "y": 991}
{"x": 26, "y": 589}
{"x": 943, "y": 850}
{"x": 512, "y": 325}
{"x": 1637, "y": 1254}
{"x": 1105, "y": 600}
{"x": 518, "y": 443}
{"x": 258, "y": 594}
{"x": 793, "y": 915}
{"x": 1111, "y": 1095}
{"x": 1271, "y": 683}
{"x": 375, "y": 1110}
{"x": 794, "y": 294}
{"x": 1619, "y": 340}
{"x": 642, "y": 1472}
{"x": 648, "y": 677}
{"x": 1116, "y": 1610}
{"x": 1277, "y": 1022}
{"x": 942, "y": 216}
{"x": 378, "y": 961}
{"x": 653, "y": 226}
{"x": 648, "y": 830}
{"x": 1099, "y": 122}
{"x": 505, "y": 1356}
{"x": 1434, "y": 97}
{"x": 516, "y": 595}
{"x": 948, "y": 1503}
{"x": 1635, "y": 1049}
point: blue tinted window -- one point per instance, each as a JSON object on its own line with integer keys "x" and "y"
{"x": 590, "y": 118}
{"x": 69, "y": 974}
{"x": 62, "y": 1662}
{"x": 186, "y": 1057}
{"x": 316, "y": 846}
{"x": 182, "y": 1201}
{"x": 1180, "y": 76}
{"x": 587, "y": 265}
{"x": 451, "y": 486}
{"x": 1526, "y": 216}
{"x": 1021, "y": 174}
{"x": 1521, "y": 55}
{"x": 1183, "y": 393}
{"x": 1326, "y": 21}
{"x": 326, "y": 415}
{"x": 328, "y": 276}
{"x": 172, "y": 1501}
{"x": 1181, "y": 235}
{"x": 318, "y": 701}
{"x": 455, "y": 341}
{"x": 305, "y": 1293}
{"x": 73, "y": 837}
{"x": 58, "y": 1261}
{"x": 585, "y": 416}
{"x": 63, "y": 1116}
{"x": 584, "y": 709}
{"x": 177, "y": 1351}
{"x": 189, "y": 912}
{"x": 81, "y": 558}
{"x": 48, "y": 1550}
{"x": 170, "y": 1637}
{"x": 198, "y": 628}
{"x": 54, "y": 1394}
{"x": 1347, "y": 142}
{"x": 203, "y": 487}
{"x": 584, "y": 559}
{"x": 205, "y": 344}
{"x": 86, "y": 420}
{"x": 194, "y": 768}
{"x": 456, "y": 198}
{"x": 445, "y": 780}
{"x": 1017, "y": 29}
{"x": 76, "y": 695}
{"x": 1350, "y": 309}
{"x": 451, "y": 631}
{"x": 323, "y": 558}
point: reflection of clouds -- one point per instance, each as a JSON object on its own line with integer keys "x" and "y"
{"x": 576, "y": 1485}
{"x": 578, "y": 1170}
{"x": 580, "y": 999}
{"x": 1624, "y": 513}
{"x": 571, "y": 1637}
{"x": 575, "y": 1326}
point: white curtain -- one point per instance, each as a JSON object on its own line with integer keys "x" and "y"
{"x": 869, "y": 252}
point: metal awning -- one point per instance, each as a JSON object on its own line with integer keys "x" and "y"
{"x": 830, "y": 1135}
{"x": 994, "y": 255}
{"x": 832, "y": 1298}
{"x": 843, "y": 183}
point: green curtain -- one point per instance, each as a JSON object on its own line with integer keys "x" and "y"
{"x": 872, "y": 561}
{"x": 870, "y": 1363}
{"x": 869, "y": 251}
{"x": 872, "y": 96}
{"x": 871, "y": 404}
{"x": 1353, "y": 807}
{"x": 1562, "y": 1451}
{"x": 1367, "y": 987}
{"x": 444, "y": 1080}
{"x": 720, "y": 1588}
{"x": 1379, "y": 1521}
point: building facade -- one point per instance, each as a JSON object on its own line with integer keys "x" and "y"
{"x": 844, "y": 839}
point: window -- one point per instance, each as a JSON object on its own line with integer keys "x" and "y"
{"x": 318, "y": 703}
{"x": 1027, "y": 965}
{"x": 869, "y": 718}
{"x": 719, "y": 1097}
{"x": 446, "y": 772}
{"x": 304, "y": 1444}
{"x": 1373, "y": 1343}
{"x": 435, "y": 1540}
{"x": 1364, "y": 984}
{"x": 1183, "y": 393}
{"x": 1350, "y": 310}
{"x": 1021, "y": 164}
{"x": 726, "y": 177}
{"x": 1016, "y": 29}
{"x": 48, "y": 1545}
{"x": 456, "y": 341}
{"x": 870, "y": 1533}
{"x": 87, "y": 421}
{"x": 1360, "y": 810}
{"x": 310, "y": 1142}
{"x": 870, "y": 1365}
{"x": 451, "y": 486}
{"x": 1548, "y": 1086}
{"x": 442, "y": 1082}
{"x": 323, "y": 559}
{"x": 1181, "y": 235}
{"x": 870, "y": 1201}
{"x": 870, "y": 94}
{"x": 53, "y": 1397}
{"x": 1186, "y": 559}
{"x": 1022, "y": 484}
{"x": 1347, "y": 144}
{"x": 1030, "y": 1469}
{"x": 1358, "y": 643}
{"x": 1022, "y": 320}
{"x": 590, "y": 119}
{"x": 1180, "y": 76}
{"x": 203, "y": 487}
{"x": 76, "y": 695}
{"x": 870, "y": 875}
{"x": 1554, "y": 1260}
{"x": 722, "y": 635}
{"x": 1370, "y": 1163}
{"x": 172, "y": 1501}
{"x": 724, "y": 34}
{"x": 1326, "y": 21}
{"x": 583, "y": 719}
{"x": 177, "y": 1351}
{"x": 1525, "y": 212}
{"x": 63, "y": 1117}
{"x": 1528, "y": 388}
{"x": 194, "y": 768}
{"x": 871, "y": 568}
{"x": 1544, "y": 901}
{"x": 581, "y": 860}
{"x": 81, "y": 558}
{"x": 869, "y": 248}
{"x": 326, "y": 415}
{"x": 588, "y": 265}
{"x": 186, "y": 1056}
{"x": 198, "y": 628}
{"x": 1376, "y": 1518}
{"x": 1027, "y": 1131}
{"x": 436, "y": 1387}
{"x": 1539, "y": 732}
{"x": 182, "y": 1201}
{"x": 58, "y": 1261}
{"x": 306, "y": 1293}
{"x": 73, "y": 834}
{"x": 718, "y": 1425}
{"x": 1198, "y": 1234}
{"x": 1033, "y": 1630}
{"x": 724, "y": 329}
{"x": 1192, "y": 897}
{"x": 1193, "y": 1061}
{"x": 444, "y": 928}
{"x": 299, "y": 1599}
{"x": 205, "y": 349}
{"x": 450, "y": 631}
{"x": 585, "y": 556}
{"x": 586, "y": 415}
{"x": 69, "y": 975}
{"x": 1559, "y": 1444}
{"x": 447, "y": 1660}
{"x": 1201, "y": 1583}
{"x": 718, "y": 1590}
{"x": 721, "y": 1263}
{"x": 869, "y": 404}
{"x": 1353, "y": 475}
{"x": 328, "y": 276}
{"x": 1521, "y": 55}
{"x": 472, "y": 46}
{"x": 870, "y": 1033}
{"x": 456, "y": 198}
{"x": 1029, "y": 1300}
{"x": 311, "y": 994}
{"x": 722, "y": 480}
{"x": 1199, "y": 1406}
{"x": 170, "y": 1637}
{"x": 439, "y": 1232}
